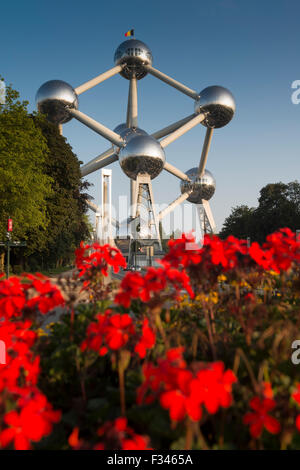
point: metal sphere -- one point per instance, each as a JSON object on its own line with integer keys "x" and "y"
{"x": 218, "y": 103}
{"x": 127, "y": 133}
{"x": 135, "y": 54}
{"x": 142, "y": 154}
{"x": 53, "y": 98}
{"x": 203, "y": 188}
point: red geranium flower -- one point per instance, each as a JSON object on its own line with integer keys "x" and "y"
{"x": 118, "y": 435}
{"x": 32, "y": 423}
{"x": 99, "y": 257}
{"x": 296, "y": 394}
{"x": 212, "y": 387}
{"x": 147, "y": 340}
{"x": 259, "y": 418}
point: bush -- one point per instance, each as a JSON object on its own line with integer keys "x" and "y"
{"x": 195, "y": 354}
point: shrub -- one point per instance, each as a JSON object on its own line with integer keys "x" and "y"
{"x": 193, "y": 354}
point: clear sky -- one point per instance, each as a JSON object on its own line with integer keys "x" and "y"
{"x": 250, "y": 47}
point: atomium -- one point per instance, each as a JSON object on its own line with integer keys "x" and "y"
{"x": 218, "y": 103}
{"x": 54, "y": 98}
{"x": 202, "y": 187}
{"x": 142, "y": 154}
{"x": 133, "y": 55}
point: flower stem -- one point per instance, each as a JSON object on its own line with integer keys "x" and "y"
{"x": 189, "y": 435}
{"x": 122, "y": 387}
{"x": 210, "y": 335}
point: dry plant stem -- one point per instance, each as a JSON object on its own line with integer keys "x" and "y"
{"x": 81, "y": 380}
{"x": 189, "y": 434}
{"x": 240, "y": 354}
{"x": 195, "y": 345}
{"x": 122, "y": 387}
{"x": 212, "y": 316}
{"x": 210, "y": 335}
{"x": 161, "y": 329}
{"x": 200, "y": 436}
{"x": 221, "y": 438}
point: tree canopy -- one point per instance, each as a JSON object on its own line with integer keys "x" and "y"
{"x": 40, "y": 187}
{"x": 278, "y": 206}
{"x": 24, "y": 185}
{"x": 66, "y": 206}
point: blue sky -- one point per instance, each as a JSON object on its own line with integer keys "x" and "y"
{"x": 252, "y": 48}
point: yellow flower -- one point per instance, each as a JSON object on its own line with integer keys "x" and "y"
{"x": 273, "y": 273}
{"x": 41, "y": 332}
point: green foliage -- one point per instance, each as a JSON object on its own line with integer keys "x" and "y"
{"x": 40, "y": 188}
{"x": 24, "y": 185}
{"x": 66, "y": 206}
{"x": 279, "y": 206}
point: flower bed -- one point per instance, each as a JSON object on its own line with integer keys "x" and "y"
{"x": 195, "y": 354}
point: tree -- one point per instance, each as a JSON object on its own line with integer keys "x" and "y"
{"x": 279, "y": 206}
{"x": 24, "y": 185}
{"x": 239, "y": 223}
{"x": 66, "y": 206}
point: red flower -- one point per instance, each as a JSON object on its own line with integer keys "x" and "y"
{"x": 267, "y": 390}
{"x": 32, "y": 423}
{"x": 259, "y": 418}
{"x": 74, "y": 440}
{"x": 212, "y": 387}
{"x": 298, "y": 423}
{"x": 296, "y": 394}
{"x": 112, "y": 331}
{"x": 147, "y": 340}
{"x": 179, "y": 401}
{"x": 12, "y": 297}
{"x": 118, "y": 435}
{"x": 152, "y": 284}
{"x": 183, "y": 391}
{"x": 90, "y": 258}
{"x": 49, "y": 296}
{"x": 180, "y": 252}
{"x": 118, "y": 331}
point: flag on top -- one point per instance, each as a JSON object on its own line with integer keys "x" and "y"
{"x": 130, "y": 32}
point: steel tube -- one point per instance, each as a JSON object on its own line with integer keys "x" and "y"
{"x": 97, "y": 127}
{"x": 182, "y": 129}
{"x": 99, "y": 79}
{"x": 132, "y": 107}
{"x": 170, "y": 81}
{"x": 176, "y": 172}
{"x": 205, "y": 150}
{"x": 173, "y": 205}
{"x": 93, "y": 206}
{"x": 132, "y": 121}
{"x": 102, "y": 160}
{"x": 172, "y": 127}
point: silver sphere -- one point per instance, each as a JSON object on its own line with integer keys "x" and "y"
{"x": 218, "y": 103}
{"x": 142, "y": 154}
{"x": 135, "y": 54}
{"x": 127, "y": 133}
{"x": 53, "y": 98}
{"x": 203, "y": 188}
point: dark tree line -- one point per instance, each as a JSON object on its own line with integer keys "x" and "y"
{"x": 278, "y": 207}
{"x": 66, "y": 206}
{"x": 40, "y": 189}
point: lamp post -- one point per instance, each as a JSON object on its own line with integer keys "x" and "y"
{"x": 9, "y": 244}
